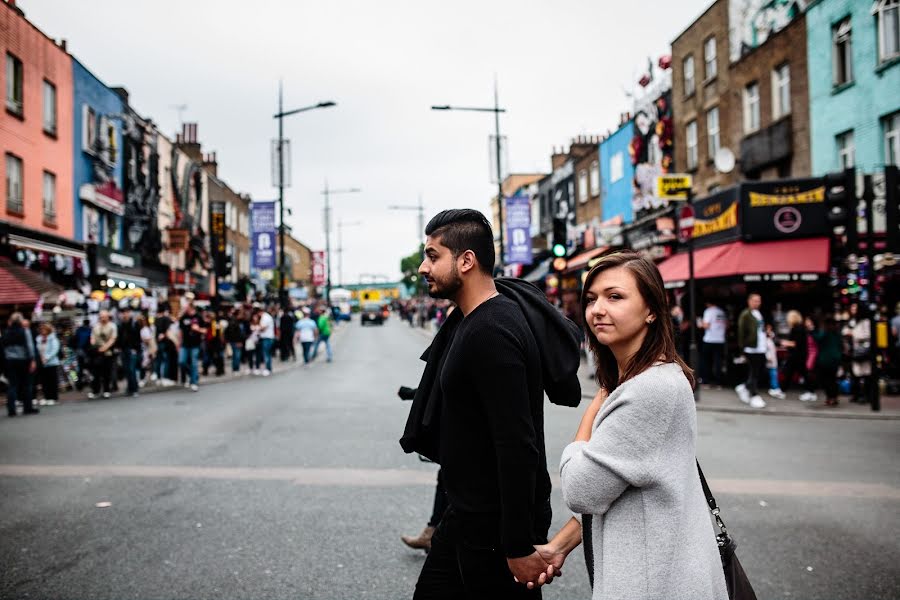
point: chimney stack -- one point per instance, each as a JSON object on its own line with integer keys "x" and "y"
{"x": 187, "y": 141}
{"x": 211, "y": 164}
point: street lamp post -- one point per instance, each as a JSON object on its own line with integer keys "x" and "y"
{"x": 282, "y": 297}
{"x": 420, "y": 208}
{"x": 327, "y": 218}
{"x": 340, "y": 248}
{"x": 496, "y": 110}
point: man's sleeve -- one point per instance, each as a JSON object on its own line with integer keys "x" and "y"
{"x": 502, "y": 387}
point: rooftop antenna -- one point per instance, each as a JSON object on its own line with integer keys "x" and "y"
{"x": 179, "y": 108}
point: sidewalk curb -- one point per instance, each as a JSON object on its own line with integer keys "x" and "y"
{"x": 786, "y": 413}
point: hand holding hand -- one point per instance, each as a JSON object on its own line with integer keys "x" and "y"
{"x": 531, "y": 570}
{"x": 553, "y": 556}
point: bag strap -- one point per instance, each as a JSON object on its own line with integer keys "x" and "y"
{"x": 711, "y": 501}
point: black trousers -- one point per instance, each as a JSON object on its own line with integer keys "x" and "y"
{"x": 50, "y": 383}
{"x": 458, "y": 568}
{"x": 756, "y": 366}
{"x": 440, "y": 502}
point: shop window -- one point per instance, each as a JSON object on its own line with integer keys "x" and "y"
{"x": 49, "y": 197}
{"x": 887, "y": 15}
{"x": 14, "y": 77}
{"x": 687, "y": 68}
{"x": 842, "y": 52}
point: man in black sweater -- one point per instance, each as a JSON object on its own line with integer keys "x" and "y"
{"x": 490, "y": 427}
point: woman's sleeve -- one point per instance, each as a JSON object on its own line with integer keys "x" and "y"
{"x": 620, "y": 454}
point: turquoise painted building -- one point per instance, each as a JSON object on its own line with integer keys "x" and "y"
{"x": 854, "y": 84}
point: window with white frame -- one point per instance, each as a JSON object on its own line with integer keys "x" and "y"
{"x": 14, "y": 78}
{"x": 709, "y": 58}
{"x": 712, "y": 132}
{"x": 887, "y": 15}
{"x": 751, "y": 107}
{"x": 892, "y": 139}
{"x": 583, "y": 186}
{"x": 691, "y": 137}
{"x": 616, "y": 167}
{"x": 14, "y": 192}
{"x": 781, "y": 91}
{"x": 595, "y": 178}
{"x": 687, "y": 68}
{"x": 88, "y": 128}
{"x": 846, "y": 150}
{"x": 49, "y": 197}
{"x": 842, "y": 52}
{"x": 49, "y": 107}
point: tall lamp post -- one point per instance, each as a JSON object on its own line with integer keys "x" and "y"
{"x": 340, "y": 248}
{"x": 496, "y": 110}
{"x": 421, "y": 231}
{"x": 327, "y": 192}
{"x": 280, "y": 115}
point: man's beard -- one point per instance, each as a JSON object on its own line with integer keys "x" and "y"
{"x": 447, "y": 289}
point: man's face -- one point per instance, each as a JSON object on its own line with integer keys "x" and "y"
{"x": 754, "y": 302}
{"x": 439, "y": 270}
{"x": 104, "y": 317}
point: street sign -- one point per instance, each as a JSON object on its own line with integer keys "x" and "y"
{"x": 685, "y": 223}
{"x": 673, "y": 187}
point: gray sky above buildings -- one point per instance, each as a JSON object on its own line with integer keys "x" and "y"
{"x": 562, "y": 68}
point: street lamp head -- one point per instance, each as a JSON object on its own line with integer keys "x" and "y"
{"x": 440, "y": 107}
{"x": 326, "y": 104}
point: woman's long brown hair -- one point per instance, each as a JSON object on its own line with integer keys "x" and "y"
{"x": 659, "y": 343}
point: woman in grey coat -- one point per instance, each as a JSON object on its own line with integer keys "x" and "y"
{"x": 631, "y": 471}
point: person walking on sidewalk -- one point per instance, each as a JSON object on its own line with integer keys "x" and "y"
{"x": 235, "y": 335}
{"x": 307, "y": 331}
{"x": 828, "y": 359}
{"x": 491, "y": 440}
{"x": 193, "y": 330}
{"x": 323, "y": 323}
{"x": 267, "y": 339}
{"x": 164, "y": 348}
{"x": 130, "y": 342}
{"x": 775, "y": 390}
{"x": 752, "y": 342}
{"x": 48, "y": 351}
{"x": 713, "y": 324}
{"x": 103, "y": 340}
{"x": 18, "y": 362}
{"x": 797, "y": 346}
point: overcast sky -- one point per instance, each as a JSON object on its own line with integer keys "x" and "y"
{"x": 562, "y": 68}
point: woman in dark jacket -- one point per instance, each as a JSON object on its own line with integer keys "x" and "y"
{"x": 829, "y": 359}
{"x": 795, "y": 365}
{"x": 19, "y": 363}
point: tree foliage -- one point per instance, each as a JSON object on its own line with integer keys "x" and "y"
{"x": 409, "y": 266}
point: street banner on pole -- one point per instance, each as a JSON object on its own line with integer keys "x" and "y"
{"x": 262, "y": 226}
{"x": 217, "y": 241}
{"x": 518, "y": 230}
{"x": 318, "y": 267}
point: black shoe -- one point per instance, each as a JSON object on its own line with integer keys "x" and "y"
{"x": 10, "y": 414}
{"x": 31, "y": 411}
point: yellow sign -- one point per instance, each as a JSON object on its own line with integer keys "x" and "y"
{"x": 673, "y": 187}
{"x": 811, "y": 197}
{"x": 727, "y": 220}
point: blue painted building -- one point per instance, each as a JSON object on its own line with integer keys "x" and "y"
{"x": 97, "y": 168}
{"x": 854, "y": 84}
{"x": 616, "y": 173}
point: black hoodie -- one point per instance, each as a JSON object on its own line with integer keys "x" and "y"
{"x": 558, "y": 340}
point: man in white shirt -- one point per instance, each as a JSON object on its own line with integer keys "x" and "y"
{"x": 714, "y": 325}
{"x": 267, "y": 339}
{"x": 752, "y": 342}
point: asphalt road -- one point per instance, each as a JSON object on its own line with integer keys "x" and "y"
{"x": 294, "y": 486}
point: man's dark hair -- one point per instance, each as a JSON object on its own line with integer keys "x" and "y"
{"x": 461, "y": 229}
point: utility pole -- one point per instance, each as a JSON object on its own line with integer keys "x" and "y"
{"x": 327, "y": 192}
{"x": 421, "y": 210}
{"x": 340, "y": 248}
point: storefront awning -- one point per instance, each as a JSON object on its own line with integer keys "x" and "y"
{"x": 21, "y": 286}
{"x": 21, "y": 241}
{"x": 741, "y": 258}
{"x": 576, "y": 263}
{"x": 539, "y": 272}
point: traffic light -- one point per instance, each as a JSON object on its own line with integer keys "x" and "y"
{"x": 892, "y": 207}
{"x": 560, "y": 235}
{"x": 841, "y": 203}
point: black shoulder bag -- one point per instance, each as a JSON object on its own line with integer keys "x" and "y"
{"x": 736, "y": 581}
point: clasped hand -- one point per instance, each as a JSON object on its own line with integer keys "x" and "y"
{"x": 538, "y": 568}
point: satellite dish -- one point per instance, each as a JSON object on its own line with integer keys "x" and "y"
{"x": 724, "y": 160}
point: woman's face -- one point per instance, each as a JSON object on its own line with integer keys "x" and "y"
{"x": 615, "y": 310}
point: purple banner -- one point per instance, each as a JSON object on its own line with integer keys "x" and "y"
{"x": 262, "y": 227}
{"x": 518, "y": 230}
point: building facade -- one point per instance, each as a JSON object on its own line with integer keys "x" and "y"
{"x": 854, "y": 78}
{"x": 616, "y": 173}
{"x": 36, "y": 128}
{"x": 588, "y": 208}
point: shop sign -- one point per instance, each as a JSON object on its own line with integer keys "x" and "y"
{"x": 179, "y": 239}
{"x": 716, "y": 217}
{"x": 217, "y": 235}
{"x": 122, "y": 260}
{"x": 518, "y": 230}
{"x": 104, "y": 195}
{"x": 792, "y": 208}
{"x": 673, "y": 187}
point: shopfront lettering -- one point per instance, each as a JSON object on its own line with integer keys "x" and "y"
{"x": 814, "y": 196}
{"x": 121, "y": 260}
{"x": 725, "y": 221}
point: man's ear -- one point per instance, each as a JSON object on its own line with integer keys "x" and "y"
{"x": 467, "y": 261}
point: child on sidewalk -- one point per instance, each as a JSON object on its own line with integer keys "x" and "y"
{"x": 772, "y": 364}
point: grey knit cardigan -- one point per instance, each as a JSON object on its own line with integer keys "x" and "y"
{"x": 652, "y": 536}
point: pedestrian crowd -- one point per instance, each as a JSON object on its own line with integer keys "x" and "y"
{"x": 132, "y": 349}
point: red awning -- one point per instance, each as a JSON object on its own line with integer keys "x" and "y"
{"x": 21, "y": 286}
{"x": 740, "y": 258}
{"x": 577, "y": 262}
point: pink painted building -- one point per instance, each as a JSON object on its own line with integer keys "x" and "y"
{"x": 35, "y": 136}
